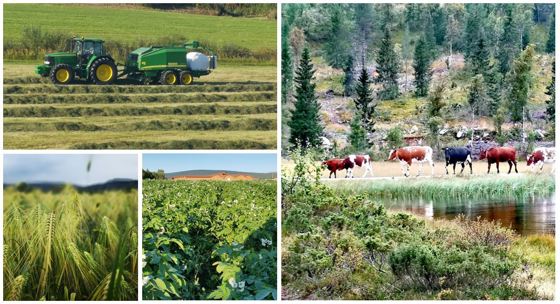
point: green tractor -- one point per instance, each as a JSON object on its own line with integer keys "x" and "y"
{"x": 87, "y": 60}
{"x": 84, "y": 59}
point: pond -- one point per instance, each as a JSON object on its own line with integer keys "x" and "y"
{"x": 529, "y": 216}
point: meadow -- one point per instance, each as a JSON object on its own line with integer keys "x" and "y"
{"x": 340, "y": 242}
{"x": 209, "y": 240}
{"x": 231, "y": 108}
{"x": 68, "y": 245}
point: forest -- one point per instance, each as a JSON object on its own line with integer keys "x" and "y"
{"x": 371, "y": 77}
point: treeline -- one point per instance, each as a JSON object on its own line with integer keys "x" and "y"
{"x": 382, "y": 42}
{"x": 35, "y": 42}
{"x": 267, "y": 10}
{"x": 147, "y": 174}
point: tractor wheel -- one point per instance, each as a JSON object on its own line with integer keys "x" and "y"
{"x": 185, "y": 78}
{"x": 103, "y": 71}
{"x": 168, "y": 78}
{"x": 62, "y": 74}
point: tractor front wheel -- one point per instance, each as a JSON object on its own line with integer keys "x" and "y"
{"x": 62, "y": 74}
{"x": 168, "y": 78}
{"x": 186, "y": 78}
{"x": 103, "y": 71}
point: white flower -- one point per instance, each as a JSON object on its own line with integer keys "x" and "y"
{"x": 265, "y": 242}
{"x": 143, "y": 260}
{"x": 145, "y": 280}
{"x": 232, "y": 282}
{"x": 241, "y": 285}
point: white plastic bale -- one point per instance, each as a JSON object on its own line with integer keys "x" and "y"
{"x": 197, "y": 61}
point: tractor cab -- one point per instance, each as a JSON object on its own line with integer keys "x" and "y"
{"x": 83, "y": 58}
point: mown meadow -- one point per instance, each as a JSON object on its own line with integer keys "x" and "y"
{"x": 340, "y": 243}
{"x": 69, "y": 245}
{"x": 209, "y": 240}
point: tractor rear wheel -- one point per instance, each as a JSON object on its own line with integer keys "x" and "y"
{"x": 185, "y": 78}
{"x": 103, "y": 71}
{"x": 168, "y": 78}
{"x": 62, "y": 74}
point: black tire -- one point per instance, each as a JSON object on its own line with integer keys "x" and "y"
{"x": 184, "y": 78}
{"x": 165, "y": 75}
{"x": 93, "y": 76}
{"x": 60, "y": 67}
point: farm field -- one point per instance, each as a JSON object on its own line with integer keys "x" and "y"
{"x": 235, "y": 107}
{"x": 70, "y": 245}
{"x": 209, "y": 240}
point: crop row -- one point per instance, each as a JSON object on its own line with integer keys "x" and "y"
{"x": 73, "y": 89}
{"x": 209, "y": 240}
{"x": 118, "y": 110}
{"x": 108, "y": 98}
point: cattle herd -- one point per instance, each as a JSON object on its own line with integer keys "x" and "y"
{"x": 453, "y": 155}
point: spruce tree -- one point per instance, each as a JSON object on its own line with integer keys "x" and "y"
{"x": 305, "y": 125}
{"x": 550, "y": 43}
{"x": 492, "y": 81}
{"x": 349, "y": 76}
{"x": 358, "y": 136}
{"x": 477, "y": 97}
{"x": 551, "y": 92}
{"x": 508, "y": 47}
{"x": 337, "y": 46}
{"x": 480, "y": 57}
{"x": 421, "y": 68}
{"x": 388, "y": 67}
{"x": 520, "y": 81}
{"x": 287, "y": 69}
{"x": 364, "y": 102}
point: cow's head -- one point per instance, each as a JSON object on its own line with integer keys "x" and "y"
{"x": 392, "y": 155}
{"x": 530, "y": 159}
{"x": 482, "y": 154}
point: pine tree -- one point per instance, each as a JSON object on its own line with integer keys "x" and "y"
{"x": 305, "y": 125}
{"x": 480, "y": 57}
{"x": 477, "y": 97}
{"x": 435, "y": 100}
{"x": 520, "y": 81}
{"x": 358, "y": 136}
{"x": 551, "y": 92}
{"x": 421, "y": 68}
{"x": 473, "y": 29}
{"x": 364, "y": 102}
{"x": 349, "y": 76}
{"x": 508, "y": 47}
{"x": 492, "y": 81}
{"x": 337, "y": 47}
{"x": 287, "y": 69}
{"x": 550, "y": 43}
{"x": 388, "y": 68}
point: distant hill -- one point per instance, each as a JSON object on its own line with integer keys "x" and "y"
{"x": 114, "y": 184}
{"x": 269, "y": 175}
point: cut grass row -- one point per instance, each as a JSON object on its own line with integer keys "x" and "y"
{"x": 129, "y": 89}
{"x": 141, "y": 140}
{"x": 126, "y": 109}
{"x": 108, "y": 98}
{"x": 131, "y": 123}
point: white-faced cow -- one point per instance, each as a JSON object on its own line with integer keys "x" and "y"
{"x": 417, "y": 154}
{"x": 454, "y": 155}
{"x": 360, "y": 161}
{"x": 540, "y": 156}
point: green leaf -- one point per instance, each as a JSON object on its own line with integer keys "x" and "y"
{"x": 160, "y": 284}
{"x": 261, "y": 294}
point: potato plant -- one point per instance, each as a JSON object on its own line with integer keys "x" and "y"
{"x": 209, "y": 240}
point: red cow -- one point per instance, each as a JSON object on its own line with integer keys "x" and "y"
{"x": 360, "y": 161}
{"x": 407, "y": 155}
{"x": 337, "y": 164}
{"x": 540, "y": 156}
{"x": 500, "y": 154}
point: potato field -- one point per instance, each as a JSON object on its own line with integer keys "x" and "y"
{"x": 209, "y": 240}
{"x": 210, "y": 114}
{"x": 69, "y": 245}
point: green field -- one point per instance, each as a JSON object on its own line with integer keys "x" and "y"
{"x": 69, "y": 245}
{"x": 209, "y": 240}
{"x": 129, "y": 24}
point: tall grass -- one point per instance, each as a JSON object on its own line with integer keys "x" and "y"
{"x": 517, "y": 187}
{"x": 64, "y": 246}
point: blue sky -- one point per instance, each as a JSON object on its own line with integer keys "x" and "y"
{"x": 259, "y": 163}
{"x": 69, "y": 168}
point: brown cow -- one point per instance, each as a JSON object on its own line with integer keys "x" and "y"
{"x": 407, "y": 155}
{"x": 337, "y": 164}
{"x": 500, "y": 154}
{"x": 540, "y": 156}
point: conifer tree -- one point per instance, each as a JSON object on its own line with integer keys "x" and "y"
{"x": 364, "y": 102}
{"x": 388, "y": 67}
{"x": 287, "y": 69}
{"x": 520, "y": 81}
{"x": 551, "y": 42}
{"x": 551, "y": 92}
{"x": 421, "y": 68}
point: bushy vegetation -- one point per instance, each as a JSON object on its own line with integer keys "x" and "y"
{"x": 338, "y": 245}
{"x": 70, "y": 245}
{"x": 239, "y": 39}
{"x": 209, "y": 240}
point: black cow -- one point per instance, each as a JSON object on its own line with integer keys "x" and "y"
{"x": 454, "y": 155}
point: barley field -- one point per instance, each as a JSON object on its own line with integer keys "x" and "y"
{"x": 69, "y": 245}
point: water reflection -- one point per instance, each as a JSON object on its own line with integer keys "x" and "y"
{"x": 530, "y": 216}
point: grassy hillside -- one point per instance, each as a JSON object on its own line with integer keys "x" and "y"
{"x": 128, "y": 24}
